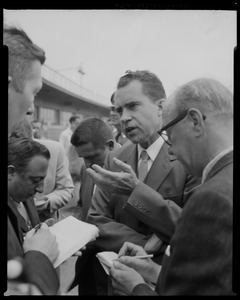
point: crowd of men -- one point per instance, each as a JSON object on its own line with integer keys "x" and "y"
{"x": 166, "y": 191}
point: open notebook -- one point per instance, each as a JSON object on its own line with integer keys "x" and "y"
{"x": 105, "y": 258}
{"x": 72, "y": 234}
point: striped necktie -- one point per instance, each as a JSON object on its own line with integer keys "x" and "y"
{"x": 143, "y": 166}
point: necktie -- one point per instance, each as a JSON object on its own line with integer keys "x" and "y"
{"x": 143, "y": 166}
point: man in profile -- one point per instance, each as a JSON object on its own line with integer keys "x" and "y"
{"x": 25, "y": 61}
{"x": 198, "y": 119}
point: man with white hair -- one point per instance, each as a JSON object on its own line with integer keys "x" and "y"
{"x": 198, "y": 120}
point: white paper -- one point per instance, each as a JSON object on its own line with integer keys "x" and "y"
{"x": 72, "y": 234}
{"x": 106, "y": 258}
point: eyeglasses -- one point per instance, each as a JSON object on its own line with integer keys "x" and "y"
{"x": 174, "y": 122}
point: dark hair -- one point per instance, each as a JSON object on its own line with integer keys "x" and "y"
{"x": 23, "y": 129}
{"x": 22, "y": 150}
{"x": 73, "y": 118}
{"x": 152, "y": 86}
{"x": 92, "y": 130}
{"x": 21, "y": 53}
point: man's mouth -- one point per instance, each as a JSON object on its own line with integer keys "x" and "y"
{"x": 129, "y": 130}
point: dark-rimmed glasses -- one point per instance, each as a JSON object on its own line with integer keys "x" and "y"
{"x": 173, "y": 122}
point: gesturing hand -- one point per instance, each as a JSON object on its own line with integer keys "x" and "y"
{"x": 114, "y": 182}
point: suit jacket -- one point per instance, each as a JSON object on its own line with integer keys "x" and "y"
{"x": 85, "y": 192}
{"x": 200, "y": 258}
{"x": 117, "y": 225}
{"x": 37, "y": 268}
{"x": 58, "y": 184}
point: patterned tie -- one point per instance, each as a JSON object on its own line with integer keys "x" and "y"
{"x": 143, "y": 166}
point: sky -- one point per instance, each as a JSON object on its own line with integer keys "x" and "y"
{"x": 176, "y": 45}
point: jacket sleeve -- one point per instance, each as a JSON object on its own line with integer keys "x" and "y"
{"x": 143, "y": 290}
{"x": 112, "y": 233}
{"x": 153, "y": 210}
{"x": 158, "y": 213}
{"x": 39, "y": 270}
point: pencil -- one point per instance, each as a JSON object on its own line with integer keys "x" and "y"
{"x": 143, "y": 256}
{"x": 139, "y": 256}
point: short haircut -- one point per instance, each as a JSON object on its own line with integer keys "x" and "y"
{"x": 22, "y": 150}
{"x": 23, "y": 129}
{"x": 21, "y": 53}
{"x": 73, "y": 118}
{"x": 152, "y": 86}
{"x": 207, "y": 95}
{"x": 92, "y": 130}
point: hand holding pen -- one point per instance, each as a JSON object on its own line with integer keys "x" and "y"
{"x": 41, "y": 240}
{"x": 134, "y": 256}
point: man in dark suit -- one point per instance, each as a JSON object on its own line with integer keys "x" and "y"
{"x": 138, "y": 100}
{"x": 198, "y": 119}
{"x": 27, "y": 167}
{"x": 24, "y": 81}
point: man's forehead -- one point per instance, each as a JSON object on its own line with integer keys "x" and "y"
{"x": 37, "y": 162}
{"x": 86, "y": 148}
{"x": 129, "y": 92}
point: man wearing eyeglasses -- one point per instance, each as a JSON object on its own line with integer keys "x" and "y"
{"x": 198, "y": 120}
{"x": 121, "y": 207}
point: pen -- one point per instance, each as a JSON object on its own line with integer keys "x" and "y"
{"x": 140, "y": 256}
{"x": 38, "y": 226}
{"x": 143, "y": 256}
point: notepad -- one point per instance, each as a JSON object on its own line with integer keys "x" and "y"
{"x": 106, "y": 259}
{"x": 72, "y": 234}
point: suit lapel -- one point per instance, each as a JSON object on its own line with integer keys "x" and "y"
{"x": 160, "y": 168}
{"x": 129, "y": 156}
{"x": 21, "y": 223}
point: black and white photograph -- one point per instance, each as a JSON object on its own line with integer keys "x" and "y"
{"x": 120, "y": 151}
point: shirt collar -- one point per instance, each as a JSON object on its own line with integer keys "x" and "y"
{"x": 210, "y": 165}
{"x": 153, "y": 149}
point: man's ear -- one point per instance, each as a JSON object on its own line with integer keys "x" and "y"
{"x": 197, "y": 119}
{"x": 159, "y": 104}
{"x": 110, "y": 144}
{"x": 11, "y": 172}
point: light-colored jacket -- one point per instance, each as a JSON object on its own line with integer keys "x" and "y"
{"x": 58, "y": 184}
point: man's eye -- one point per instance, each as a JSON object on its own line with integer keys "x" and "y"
{"x": 119, "y": 110}
{"x": 133, "y": 106}
{"x": 36, "y": 181}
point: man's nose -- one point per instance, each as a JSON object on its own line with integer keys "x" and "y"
{"x": 125, "y": 117}
{"x": 39, "y": 187}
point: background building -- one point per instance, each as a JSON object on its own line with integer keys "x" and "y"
{"x": 60, "y": 98}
